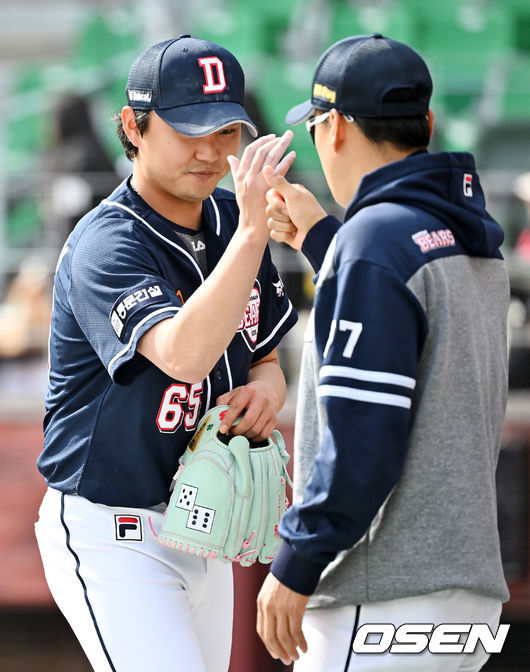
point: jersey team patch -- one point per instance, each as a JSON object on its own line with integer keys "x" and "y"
{"x": 279, "y": 287}
{"x": 249, "y": 325}
{"x": 128, "y": 528}
{"x": 434, "y": 240}
{"x": 131, "y": 302}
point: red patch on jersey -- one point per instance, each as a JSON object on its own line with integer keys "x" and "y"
{"x": 249, "y": 325}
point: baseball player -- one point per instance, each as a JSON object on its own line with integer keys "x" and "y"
{"x": 403, "y": 384}
{"x": 166, "y": 303}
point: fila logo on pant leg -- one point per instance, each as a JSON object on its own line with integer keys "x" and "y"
{"x": 128, "y": 528}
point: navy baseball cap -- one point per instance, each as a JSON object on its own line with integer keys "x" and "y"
{"x": 195, "y": 86}
{"x": 355, "y": 74}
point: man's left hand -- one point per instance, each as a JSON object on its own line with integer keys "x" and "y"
{"x": 280, "y": 613}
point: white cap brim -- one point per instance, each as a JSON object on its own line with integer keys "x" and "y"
{"x": 299, "y": 113}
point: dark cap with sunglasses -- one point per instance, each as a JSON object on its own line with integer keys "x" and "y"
{"x": 357, "y": 76}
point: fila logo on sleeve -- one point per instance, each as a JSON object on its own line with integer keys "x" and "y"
{"x": 128, "y": 527}
{"x": 213, "y": 85}
{"x": 468, "y": 185}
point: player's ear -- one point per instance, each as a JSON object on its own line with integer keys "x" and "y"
{"x": 130, "y": 127}
{"x": 336, "y": 122}
{"x": 430, "y": 117}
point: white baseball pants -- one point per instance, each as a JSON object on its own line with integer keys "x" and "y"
{"x": 330, "y": 632}
{"x": 134, "y": 604}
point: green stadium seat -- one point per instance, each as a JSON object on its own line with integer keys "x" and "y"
{"x": 281, "y": 86}
{"x": 108, "y": 47}
{"x": 239, "y": 33}
{"x": 364, "y": 18}
{"x": 462, "y": 42}
{"x": 26, "y": 131}
{"x": 99, "y": 39}
{"x": 23, "y": 222}
{"x": 519, "y": 11}
{"x": 247, "y": 30}
{"x": 515, "y": 101}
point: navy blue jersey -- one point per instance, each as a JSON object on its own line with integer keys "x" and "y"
{"x": 115, "y": 424}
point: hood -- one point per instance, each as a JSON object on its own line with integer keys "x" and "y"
{"x": 444, "y": 184}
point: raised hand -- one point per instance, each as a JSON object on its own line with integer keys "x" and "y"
{"x": 249, "y": 181}
{"x": 292, "y": 210}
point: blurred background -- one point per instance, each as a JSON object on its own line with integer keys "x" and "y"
{"x": 63, "y": 67}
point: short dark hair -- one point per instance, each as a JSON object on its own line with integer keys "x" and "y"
{"x": 403, "y": 132}
{"x": 142, "y": 122}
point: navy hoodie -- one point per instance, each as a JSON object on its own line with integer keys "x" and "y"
{"x": 402, "y": 392}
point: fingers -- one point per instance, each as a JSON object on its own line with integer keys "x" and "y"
{"x": 296, "y": 633}
{"x": 277, "y": 213}
{"x": 277, "y": 636}
{"x": 283, "y": 167}
{"x": 277, "y": 180}
{"x": 233, "y": 162}
{"x": 287, "y": 202}
{"x": 249, "y": 182}
{"x": 267, "y": 429}
{"x": 287, "y": 228}
{"x": 256, "y": 424}
{"x": 279, "y": 620}
{"x": 275, "y": 154}
{"x": 267, "y": 150}
{"x": 231, "y": 415}
{"x": 279, "y": 222}
{"x": 283, "y": 233}
{"x": 269, "y": 627}
{"x": 250, "y": 150}
{"x": 280, "y": 237}
{"x": 285, "y": 634}
{"x": 271, "y": 153}
{"x": 282, "y": 642}
{"x": 289, "y": 637}
{"x": 224, "y": 398}
{"x": 254, "y": 407}
{"x": 239, "y": 401}
{"x": 276, "y": 207}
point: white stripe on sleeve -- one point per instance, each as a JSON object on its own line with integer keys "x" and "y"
{"x": 369, "y": 376}
{"x": 363, "y": 395}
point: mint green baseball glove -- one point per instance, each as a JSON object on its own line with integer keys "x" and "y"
{"x": 228, "y": 496}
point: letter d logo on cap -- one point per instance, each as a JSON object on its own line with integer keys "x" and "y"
{"x": 208, "y": 63}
